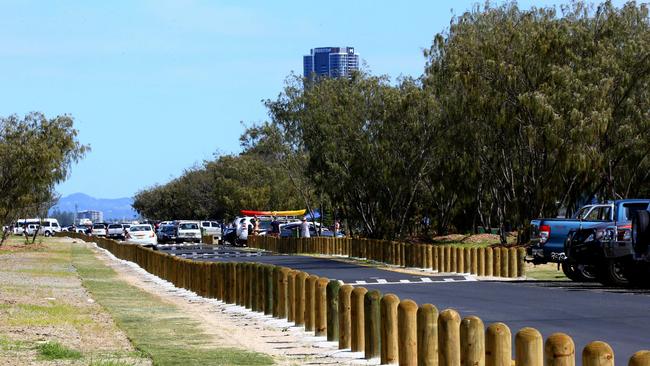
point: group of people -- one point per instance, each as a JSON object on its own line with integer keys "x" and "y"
{"x": 304, "y": 232}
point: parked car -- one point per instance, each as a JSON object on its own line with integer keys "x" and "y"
{"x": 141, "y": 234}
{"x": 211, "y": 228}
{"x": 99, "y": 230}
{"x": 292, "y": 230}
{"x": 115, "y": 231}
{"x": 609, "y": 246}
{"x": 188, "y": 231}
{"x": 548, "y": 236}
{"x": 166, "y": 234}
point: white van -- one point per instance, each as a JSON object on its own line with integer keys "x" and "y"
{"x": 49, "y": 227}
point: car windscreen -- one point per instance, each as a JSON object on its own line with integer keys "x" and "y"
{"x": 99, "y": 226}
{"x": 114, "y": 226}
{"x": 140, "y": 228}
{"x": 168, "y": 228}
{"x": 188, "y": 226}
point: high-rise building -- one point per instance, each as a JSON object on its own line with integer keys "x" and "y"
{"x": 331, "y": 62}
{"x": 94, "y": 216}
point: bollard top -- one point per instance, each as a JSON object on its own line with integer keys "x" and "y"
{"x": 360, "y": 291}
{"x": 373, "y": 295}
{"x": 449, "y": 314}
{"x": 559, "y": 345}
{"x": 498, "y": 329}
{"x": 408, "y": 305}
{"x": 428, "y": 308}
{"x": 472, "y": 320}
{"x": 322, "y": 281}
{"x": 640, "y": 358}
{"x": 346, "y": 289}
{"x": 598, "y": 349}
{"x": 390, "y": 299}
{"x": 528, "y": 333}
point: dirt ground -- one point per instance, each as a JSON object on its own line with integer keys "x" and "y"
{"x": 42, "y": 299}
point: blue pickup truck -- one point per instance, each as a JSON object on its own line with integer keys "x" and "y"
{"x": 548, "y": 236}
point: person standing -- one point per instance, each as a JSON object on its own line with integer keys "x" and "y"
{"x": 304, "y": 228}
{"x": 275, "y": 227}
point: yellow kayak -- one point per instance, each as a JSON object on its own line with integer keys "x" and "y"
{"x": 273, "y": 213}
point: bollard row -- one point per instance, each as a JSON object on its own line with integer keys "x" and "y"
{"x": 497, "y": 262}
{"x": 381, "y": 326}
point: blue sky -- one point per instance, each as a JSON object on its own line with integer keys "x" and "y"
{"x": 158, "y": 86}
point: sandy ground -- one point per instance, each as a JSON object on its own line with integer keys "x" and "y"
{"x": 234, "y": 326}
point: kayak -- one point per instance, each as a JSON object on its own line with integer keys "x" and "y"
{"x": 273, "y": 213}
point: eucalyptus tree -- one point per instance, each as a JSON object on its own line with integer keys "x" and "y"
{"x": 36, "y": 153}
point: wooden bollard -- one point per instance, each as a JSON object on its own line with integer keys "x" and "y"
{"x": 472, "y": 341}
{"x": 320, "y": 313}
{"x": 498, "y": 345}
{"x": 512, "y": 262}
{"x": 389, "y": 332}
{"x": 468, "y": 260}
{"x": 430, "y": 257}
{"x": 505, "y": 262}
{"x": 251, "y": 286}
{"x": 291, "y": 294}
{"x": 597, "y": 354}
{"x": 529, "y": 347}
{"x": 407, "y": 333}
{"x": 460, "y": 260}
{"x": 453, "y": 260}
{"x": 276, "y": 291}
{"x": 283, "y": 287}
{"x": 436, "y": 258}
{"x": 345, "y": 317}
{"x": 299, "y": 296}
{"x": 474, "y": 260}
{"x": 259, "y": 287}
{"x": 333, "y": 310}
{"x": 310, "y": 302}
{"x": 268, "y": 289}
{"x": 427, "y": 319}
{"x": 640, "y": 358}
{"x": 372, "y": 328}
{"x": 449, "y": 338}
{"x": 521, "y": 262}
{"x": 489, "y": 262}
{"x": 448, "y": 259}
{"x": 481, "y": 261}
{"x": 357, "y": 331}
{"x": 232, "y": 283}
{"x": 240, "y": 284}
{"x": 496, "y": 262}
{"x": 559, "y": 350}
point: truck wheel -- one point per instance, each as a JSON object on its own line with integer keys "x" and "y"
{"x": 47, "y": 233}
{"x": 579, "y": 272}
{"x": 640, "y": 231}
{"x": 614, "y": 272}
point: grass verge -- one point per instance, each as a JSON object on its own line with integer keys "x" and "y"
{"x": 156, "y": 328}
{"x": 56, "y": 351}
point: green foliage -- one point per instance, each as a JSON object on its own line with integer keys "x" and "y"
{"x": 35, "y": 154}
{"x": 56, "y": 351}
{"x": 519, "y": 113}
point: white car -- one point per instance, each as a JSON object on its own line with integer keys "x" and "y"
{"x": 188, "y": 231}
{"x": 99, "y": 230}
{"x": 141, "y": 234}
{"x": 211, "y": 228}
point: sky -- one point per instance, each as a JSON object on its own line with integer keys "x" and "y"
{"x": 156, "y": 87}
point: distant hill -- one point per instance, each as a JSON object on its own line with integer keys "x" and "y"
{"x": 113, "y": 208}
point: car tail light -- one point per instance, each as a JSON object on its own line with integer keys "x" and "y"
{"x": 544, "y": 233}
{"x": 152, "y": 235}
{"x": 624, "y": 232}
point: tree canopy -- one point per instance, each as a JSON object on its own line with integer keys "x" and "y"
{"x": 519, "y": 113}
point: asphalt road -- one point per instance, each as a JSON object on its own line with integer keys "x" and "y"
{"x": 586, "y": 312}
